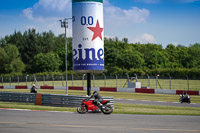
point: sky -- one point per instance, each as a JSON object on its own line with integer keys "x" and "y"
{"x": 146, "y": 21}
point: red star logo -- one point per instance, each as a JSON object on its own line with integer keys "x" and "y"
{"x": 97, "y": 31}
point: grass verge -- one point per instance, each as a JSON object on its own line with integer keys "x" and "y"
{"x": 32, "y": 106}
{"x": 154, "y": 109}
{"x": 119, "y": 109}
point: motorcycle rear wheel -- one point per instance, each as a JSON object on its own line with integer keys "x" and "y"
{"x": 81, "y": 110}
{"x": 107, "y": 109}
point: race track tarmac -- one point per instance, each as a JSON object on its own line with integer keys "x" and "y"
{"x": 161, "y": 103}
{"x": 20, "y": 121}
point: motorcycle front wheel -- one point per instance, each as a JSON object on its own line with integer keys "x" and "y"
{"x": 181, "y": 101}
{"x": 189, "y": 101}
{"x": 107, "y": 109}
{"x": 81, "y": 110}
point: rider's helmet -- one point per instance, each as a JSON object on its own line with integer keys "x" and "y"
{"x": 184, "y": 93}
{"x": 95, "y": 92}
{"x": 33, "y": 84}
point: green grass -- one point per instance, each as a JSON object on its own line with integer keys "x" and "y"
{"x": 154, "y": 109}
{"x": 32, "y": 106}
{"x": 119, "y": 107}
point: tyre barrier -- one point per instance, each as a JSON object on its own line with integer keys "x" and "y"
{"x": 17, "y": 97}
{"x": 110, "y": 89}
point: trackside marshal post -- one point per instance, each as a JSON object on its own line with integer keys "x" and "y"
{"x": 88, "y": 37}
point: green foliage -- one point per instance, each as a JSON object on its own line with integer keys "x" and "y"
{"x": 60, "y": 50}
{"x": 48, "y": 62}
{"x": 45, "y": 52}
{"x": 30, "y": 44}
{"x": 136, "y": 71}
{"x": 13, "y": 74}
{"x": 9, "y": 57}
{"x": 194, "y": 56}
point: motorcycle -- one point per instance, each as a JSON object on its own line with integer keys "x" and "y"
{"x": 185, "y": 99}
{"x": 89, "y": 106}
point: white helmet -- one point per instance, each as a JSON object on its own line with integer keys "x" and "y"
{"x": 33, "y": 84}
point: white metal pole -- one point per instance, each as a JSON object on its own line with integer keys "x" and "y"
{"x": 66, "y": 54}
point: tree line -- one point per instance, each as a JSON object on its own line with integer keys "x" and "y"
{"x": 32, "y": 52}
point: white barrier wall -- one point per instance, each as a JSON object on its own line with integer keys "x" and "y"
{"x": 92, "y": 89}
{"x": 29, "y": 87}
{"x": 165, "y": 91}
{"x": 59, "y": 88}
{"x": 125, "y": 89}
{"x": 9, "y": 87}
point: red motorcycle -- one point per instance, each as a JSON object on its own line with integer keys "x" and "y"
{"x": 89, "y": 106}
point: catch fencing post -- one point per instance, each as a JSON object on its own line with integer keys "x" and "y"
{"x": 10, "y": 80}
{"x": 43, "y": 79}
{"x": 62, "y": 80}
{"x": 27, "y": 80}
{"x": 157, "y": 80}
{"x": 35, "y": 80}
{"x": 127, "y": 77}
{"x": 18, "y": 79}
{"x": 148, "y": 81}
{"x": 83, "y": 80}
{"x": 72, "y": 80}
{"x": 104, "y": 79}
{"x": 116, "y": 79}
{"x": 136, "y": 77}
{"x": 188, "y": 82}
{"x": 52, "y": 80}
{"x": 93, "y": 80}
{"x": 2, "y": 80}
{"x": 170, "y": 82}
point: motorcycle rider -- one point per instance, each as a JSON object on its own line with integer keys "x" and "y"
{"x": 185, "y": 95}
{"x": 97, "y": 98}
{"x": 33, "y": 89}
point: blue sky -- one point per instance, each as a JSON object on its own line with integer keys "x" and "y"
{"x": 155, "y": 21}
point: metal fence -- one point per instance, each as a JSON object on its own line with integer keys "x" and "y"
{"x": 47, "y": 99}
{"x": 120, "y": 81}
